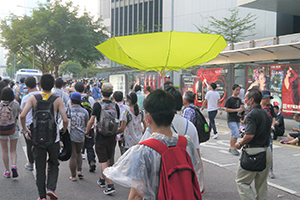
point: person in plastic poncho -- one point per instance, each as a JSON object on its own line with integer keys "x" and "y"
{"x": 139, "y": 167}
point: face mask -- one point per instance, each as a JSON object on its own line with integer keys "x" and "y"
{"x": 127, "y": 103}
{"x": 247, "y": 107}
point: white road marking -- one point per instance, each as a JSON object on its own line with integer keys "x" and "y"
{"x": 25, "y": 151}
{"x": 269, "y": 183}
{"x": 282, "y": 188}
{"x": 296, "y": 154}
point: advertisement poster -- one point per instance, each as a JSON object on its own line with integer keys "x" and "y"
{"x": 258, "y": 77}
{"x": 283, "y": 82}
{"x": 200, "y": 82}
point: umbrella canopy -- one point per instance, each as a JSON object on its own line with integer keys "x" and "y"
{"x": 163, "y": 51}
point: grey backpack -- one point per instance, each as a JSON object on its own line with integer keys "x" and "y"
{"x": 108, "y": 123}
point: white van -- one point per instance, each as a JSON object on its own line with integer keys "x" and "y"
{"x": 28, "y": 72}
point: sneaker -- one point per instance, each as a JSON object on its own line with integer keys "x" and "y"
{"x": 271, "y": 175}
{"x": 109, "y": 190}
{"x": 83, "y": 156}
{"x": 51, "y": 194}
{"x": 284, "y": 141}
{"x": 101, "y": 182}
{"x": 29, "y": 167}
{"x": 6, "y": 174}
{"x": 215, "y": 136}
{"x": 234, "y": 152}
{"x": 92, "y": 166}
{"x": 14, "y": 171}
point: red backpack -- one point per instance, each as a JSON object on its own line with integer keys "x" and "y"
{"x": 178, "y": 179}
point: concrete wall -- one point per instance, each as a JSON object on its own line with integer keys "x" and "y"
{"x": 188, "y": 13}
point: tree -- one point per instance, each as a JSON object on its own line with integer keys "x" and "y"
{"x": 233, "y": 28}
{"x": 16, "y": 62}
{"x": 70, "y": 68}
{"x": 53, "y": 35}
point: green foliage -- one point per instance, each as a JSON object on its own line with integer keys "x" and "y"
{"x": 54, "y": 34}
{"x": 233, "y": 28}
{"x": 73, "y": 68}
{"x": 14, "y": 63}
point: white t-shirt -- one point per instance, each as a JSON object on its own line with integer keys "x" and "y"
{"x": 23, "y": 103}
{"x": 212, "y": 98}
{"x": 181, "y": 126}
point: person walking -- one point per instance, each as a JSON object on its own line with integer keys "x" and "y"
{"x": 30, "y": 83}
{"x": 255, "y": 140}
{"x": 131, "y": 122}
{"x": 189, "y": 108}
{"x": 140, "y": 96}
{"x": 140, "y": 167}
{"x": 212, "y": 98}
{"x": 104, "y": 143}
{"x": 7, "y": 99}
{"x": 118, "y": 98}
{"x": 88, "y": 103}
{"x": 39, "y": 152}
{"x": 234, "y": 105}
{"x": 79, "y": 119}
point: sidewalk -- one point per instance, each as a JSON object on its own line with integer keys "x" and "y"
{"x": 286, "y": 160}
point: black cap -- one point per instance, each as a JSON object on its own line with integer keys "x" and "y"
{"x": 266, "y": 94}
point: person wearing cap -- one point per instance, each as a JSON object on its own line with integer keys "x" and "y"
{"x": 266, "y": 105}
{"x": 79, "y": 119}
{"x": 104, "y": 145}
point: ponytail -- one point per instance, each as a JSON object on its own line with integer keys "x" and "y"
{"x": 136, "y": 109}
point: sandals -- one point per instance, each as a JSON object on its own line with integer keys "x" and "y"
{"x": 73, "y": 179}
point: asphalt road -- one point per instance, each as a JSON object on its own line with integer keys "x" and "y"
{"x": 219, "y": 168}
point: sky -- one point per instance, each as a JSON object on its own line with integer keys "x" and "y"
{"x": 17, "y": 6}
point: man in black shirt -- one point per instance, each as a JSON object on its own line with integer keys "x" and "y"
{"x": 256, "y": 140}
{"x": 104, "y": 145}
{"x": 233, "y": 106}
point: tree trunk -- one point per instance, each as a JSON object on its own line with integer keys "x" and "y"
{"x": 56, "y": 71}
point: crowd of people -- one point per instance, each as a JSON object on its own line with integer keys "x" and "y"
{"x": 97, "y": 118}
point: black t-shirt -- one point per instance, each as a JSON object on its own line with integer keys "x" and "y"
{"x": 97, "y": 112}
{"x": 258, "y": 123}
{"x": 233, "y": 103}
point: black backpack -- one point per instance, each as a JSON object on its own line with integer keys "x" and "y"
{"x": 86, "y": 104}
{"x": 201, "y": 126}
{"x": 44, "y": 130}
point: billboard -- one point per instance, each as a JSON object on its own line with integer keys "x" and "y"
{"x": 199, "y": 83}
{"x": 283, "y": 82}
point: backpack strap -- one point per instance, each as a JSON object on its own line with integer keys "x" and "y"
{"x": 182, "y": 142}
{"x": 160, "y": 147}
{"x": 186, "y": 127}
{"x": 38, "y": 97}
{"x": 172, "y": 126}
{"x": 156, "y": 145}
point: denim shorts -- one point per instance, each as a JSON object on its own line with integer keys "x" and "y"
{"x": 234, "y": 127}
{"x": 14, "y": 136}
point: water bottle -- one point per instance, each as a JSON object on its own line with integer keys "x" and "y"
{"x": 206, "y": 128}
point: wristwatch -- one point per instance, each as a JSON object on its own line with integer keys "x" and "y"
{"x": 240, "y": 144}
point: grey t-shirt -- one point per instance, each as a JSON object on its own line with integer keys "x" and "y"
{"x": 79, "y": 119}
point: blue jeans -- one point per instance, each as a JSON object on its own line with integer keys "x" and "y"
{"x": 211, "y": 117}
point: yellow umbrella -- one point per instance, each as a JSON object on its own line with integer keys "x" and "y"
{"x": 163, "y": 51}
